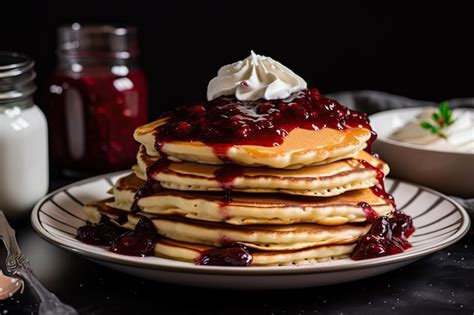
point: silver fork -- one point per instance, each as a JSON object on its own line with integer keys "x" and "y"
{"x": 17, "y": 264}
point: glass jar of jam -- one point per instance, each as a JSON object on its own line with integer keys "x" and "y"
{"x": 97, "y": 96}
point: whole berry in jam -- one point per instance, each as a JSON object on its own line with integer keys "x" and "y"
{"x": 182, "y": 128}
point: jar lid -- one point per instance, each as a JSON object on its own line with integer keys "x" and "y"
{"x": 98, "y": 41}
{"x": 16, "y": 76}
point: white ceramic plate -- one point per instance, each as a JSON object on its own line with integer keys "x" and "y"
{"x": 440, "y": 222}
{"x": 448, "y": 172}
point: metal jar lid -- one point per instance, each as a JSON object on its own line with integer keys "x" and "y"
{"x": 16, "y": 77}
{"x": 78, "y": 40}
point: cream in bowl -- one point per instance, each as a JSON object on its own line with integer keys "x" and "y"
{"x": 431, "y": 131}
{"x": 426, "y": 150}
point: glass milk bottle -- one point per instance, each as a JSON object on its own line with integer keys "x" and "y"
{"x": 23, "y": 137}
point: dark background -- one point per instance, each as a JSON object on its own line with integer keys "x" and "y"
{"x": 420, "y": 50}
{"x": 423, "y": 51}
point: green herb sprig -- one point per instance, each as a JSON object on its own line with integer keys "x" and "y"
{"x": 440, "y": 120}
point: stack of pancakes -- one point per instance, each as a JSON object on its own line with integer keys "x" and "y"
{"x": 300, "y": 202}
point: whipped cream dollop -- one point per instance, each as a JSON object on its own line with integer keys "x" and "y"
{"x": 255, "y": 77}
{"x": 459, "y": 135}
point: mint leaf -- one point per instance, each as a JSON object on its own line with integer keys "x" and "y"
{"x": 450, "y": 120}
{"x": 426, "y": 125}
{"x": 444, "y": 109}
{"x": 441, "y": 119}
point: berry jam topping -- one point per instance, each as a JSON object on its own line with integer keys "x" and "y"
{"x": 139, "y": 242}
{"x": 225, "y": 175}
{"x": 149, "y": 187}
{"x": 401, "y": 224}
{"x": 220, "y": 150}
{"x": 233, "y": 255}
{"x": 370, "y": 213}
{"x": 387, "y": 236}
{"x": 379, "y": 190}
{"x": 226, "y": 121}
{"x": 103, "y": 233}
{"x": 145, "y": 190}
{"x": 227, "y": 197}
{"x": 370, "y": 142}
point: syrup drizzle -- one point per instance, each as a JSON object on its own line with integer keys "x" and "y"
{"x": 370, "y": 142}
{"x": 226, "y": 175}
{"x": 370, "y": 213}
{"x": 379, "y": 189}
{"x": 149, "y": 187}
{"x": 220, "y": 150}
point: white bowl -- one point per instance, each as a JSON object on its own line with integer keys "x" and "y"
{"x": 449, "y": 172}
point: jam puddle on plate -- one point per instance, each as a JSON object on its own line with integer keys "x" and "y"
{"x": 233, "y": 255}
{"x": 142, "y": 240}
{"x": 387, "y": 236}
{"x": 139, "y": 242}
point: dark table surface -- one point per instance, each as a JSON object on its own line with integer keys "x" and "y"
{"x": 442, "y": 283}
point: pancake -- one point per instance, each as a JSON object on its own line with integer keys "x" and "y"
{"x": 261, "y": 237}
{"x": 320, "y": 181}
{"x": 192, "y": 252}
{"x": 245, "y": 209}
{"x": 301, "y": 147}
